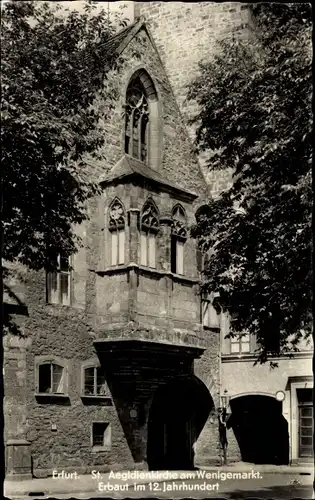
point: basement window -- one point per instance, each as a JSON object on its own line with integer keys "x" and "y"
{"x": 101, "y": 436}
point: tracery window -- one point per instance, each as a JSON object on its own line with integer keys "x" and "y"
{"x": 137, "y": 121}
{"x": 117, "y": 231}
{"x": 178, "y": 239}
{"x": 148, "y": 233}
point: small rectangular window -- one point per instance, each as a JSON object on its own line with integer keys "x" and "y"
{"x": 94, "y": 381}
{"x": 51, "y": 379}
{"x": 240, "y": 344}
{"x": 58, "y": 283}
{"x": 101, "y": 435}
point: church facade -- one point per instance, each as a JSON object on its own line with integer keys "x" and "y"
{"x": 114, "y": 368}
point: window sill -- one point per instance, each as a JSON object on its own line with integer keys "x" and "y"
{"x": 211, "y": 328}
{"x": 96, "y": 400}
{"x": 51, "y": 398}
{"x": 52, "y": 305}
{"x": 226, "y": 358}
{"x": 97, "y": 449}
{"x": 145, "y": 269}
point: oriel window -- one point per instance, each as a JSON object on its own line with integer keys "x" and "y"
{"x": 137, "y": 121}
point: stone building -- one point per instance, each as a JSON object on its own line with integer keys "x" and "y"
{"x": 120, "y": 364}
{"x": 113, "y": 368}
{"x": 264, "y": 429}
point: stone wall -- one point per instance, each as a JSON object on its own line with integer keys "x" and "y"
{"x": 185, "y": 34}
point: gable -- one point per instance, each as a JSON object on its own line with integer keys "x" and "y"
{"x": 178, "y": 164}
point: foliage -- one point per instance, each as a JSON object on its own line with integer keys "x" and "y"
{"x": 54, "y": 64}
{"x": 255, "y": 117}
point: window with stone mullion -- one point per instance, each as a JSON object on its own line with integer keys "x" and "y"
{"x": 178, "y": 239}
{"x": 117, "y": 231}
{"x": 148, "y": 234}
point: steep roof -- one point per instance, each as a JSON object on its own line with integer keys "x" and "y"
{"x": 119, "y": 42}
{"x": 128, "y": 166}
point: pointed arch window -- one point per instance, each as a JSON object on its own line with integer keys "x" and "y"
{"x": 178, "y": 239}
{"x": 137, "y": 121}
{"x": 148, "y": 233}
{"x": 117, "y": 232}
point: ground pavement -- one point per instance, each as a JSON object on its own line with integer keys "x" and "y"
{"x": 234, "y": 482}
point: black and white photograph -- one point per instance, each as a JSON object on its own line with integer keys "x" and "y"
{"x": 156, "y": 249}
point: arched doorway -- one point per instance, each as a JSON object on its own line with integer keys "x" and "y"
{"x": 177, "y": 415}
{"x": 260, "y": 429}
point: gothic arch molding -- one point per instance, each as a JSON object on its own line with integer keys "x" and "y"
{"x": 155, "y": 126}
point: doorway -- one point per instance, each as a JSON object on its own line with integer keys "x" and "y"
{"x": 260, "y": 429}
{"x": 178, "y": 413}
{"x": 306, "y": 422}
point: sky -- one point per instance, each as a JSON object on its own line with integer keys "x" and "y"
{"x": 111, "y": 6}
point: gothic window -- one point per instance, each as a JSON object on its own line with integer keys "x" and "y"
{"x": 137, "y": 121}
{"x": 58, "y": 283}
{"x": 149, "y": 229}
{"x": 178, "y": 239}
{"x": 117, "y": 232}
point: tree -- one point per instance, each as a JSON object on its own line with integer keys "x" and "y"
{"x": 255, "y": 117}
{"x": 54, "y": 64}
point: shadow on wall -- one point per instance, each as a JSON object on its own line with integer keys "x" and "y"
{"x": 161, "y": 406}
{"x": 177, "y": 416}
{"x": 260, "y": 429}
